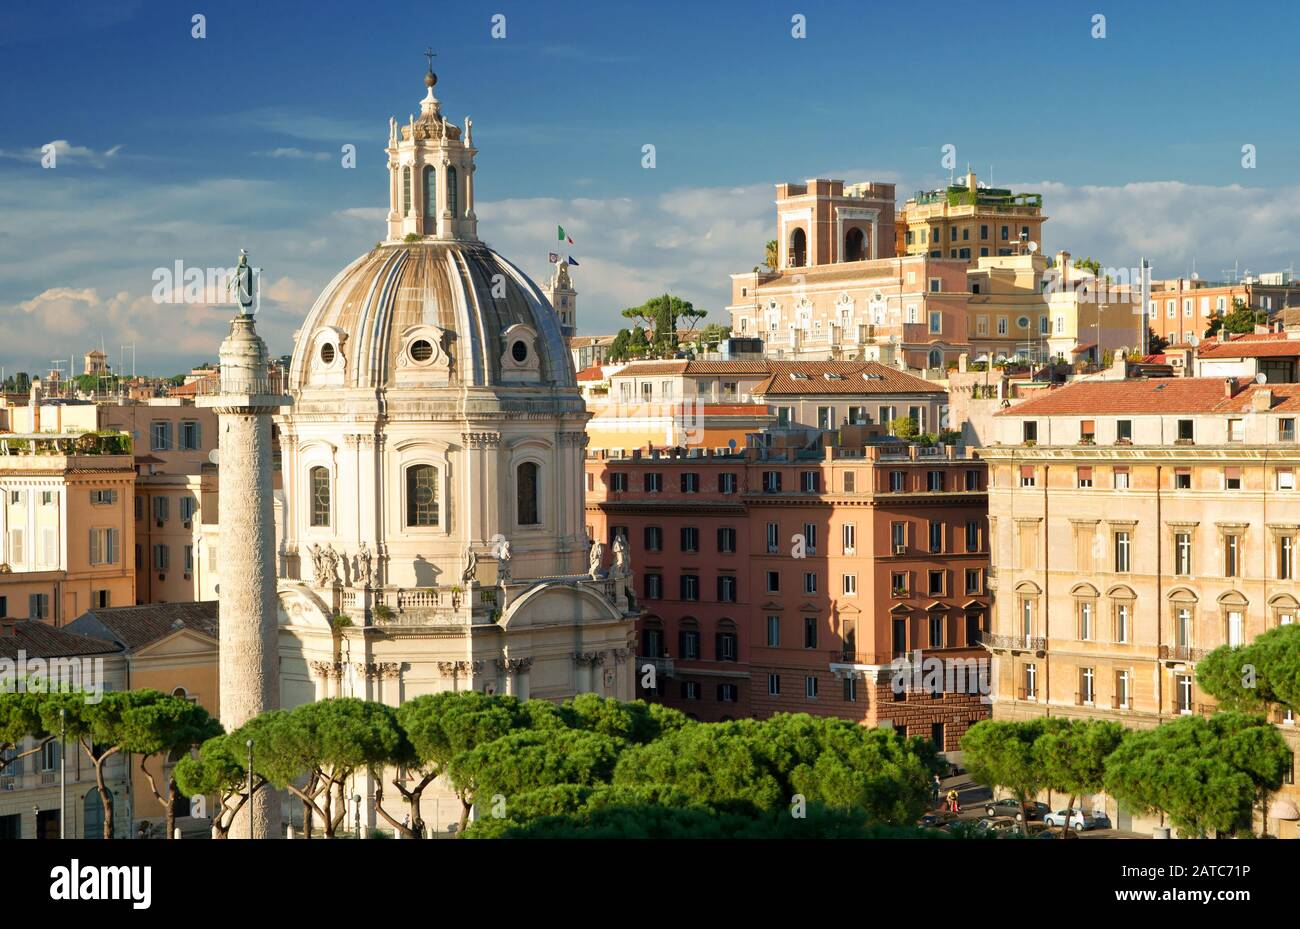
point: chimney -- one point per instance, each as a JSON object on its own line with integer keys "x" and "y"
{"x": 1261, "y": 401}
{"x": 1229, "y": 387}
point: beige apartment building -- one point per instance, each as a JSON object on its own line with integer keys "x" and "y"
{"x": 65, "y": 527}
{"x": 1136, "y": 526}
{"x": 1022, "y": 305}
{"x": 839, "y": 292}
{"x": 966, "y": 221}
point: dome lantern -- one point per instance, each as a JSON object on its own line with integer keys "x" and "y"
{"x": 431, "y": 174}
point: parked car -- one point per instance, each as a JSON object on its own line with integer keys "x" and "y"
{"x": 1077, "y": 820}
{"x": 998, "y": 824}
{"x": 1010, "y": 807}
{"x": 937, "y": 820}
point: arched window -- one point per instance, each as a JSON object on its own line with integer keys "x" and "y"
{"x": 430, "y": 192}
{"x": 406, "y": 190}
{"x": 854, "y": 243}
{"x": 451, "y": 190}
{"x": 422, "y": 495}
{"x": 798, "y": 249}
{"x": 526, "y": 493}
{"x": 936, "y": 358}
{"x": 320, "y": 496}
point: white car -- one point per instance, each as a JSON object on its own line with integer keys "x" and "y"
{"x": 1076, "y": 819}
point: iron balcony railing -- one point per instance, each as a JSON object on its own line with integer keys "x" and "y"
{"x": 1018, "y": 642}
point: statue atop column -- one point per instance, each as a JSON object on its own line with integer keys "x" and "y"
{"x": 622, "y": 557}
{"x": 595, "y": 559}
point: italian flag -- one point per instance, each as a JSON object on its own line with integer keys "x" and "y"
{"x": 561, "y": 236}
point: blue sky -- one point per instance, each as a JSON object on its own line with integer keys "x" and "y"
{"x": 181, "y": 148}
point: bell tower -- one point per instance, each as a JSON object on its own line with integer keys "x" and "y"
{"x": 431, "y": 174}
{"x": 564, "y": 299}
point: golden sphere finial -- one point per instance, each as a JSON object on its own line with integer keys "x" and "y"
{"x": 430, "y": 79}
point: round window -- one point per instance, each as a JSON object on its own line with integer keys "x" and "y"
{"x": 1024, "y": 322}
{"x": 327, "y": 353}
{"x": 421, "y": 350}
{"x": 520, "y": 351}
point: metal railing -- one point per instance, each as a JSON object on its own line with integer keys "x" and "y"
{"x": 240, "y": 382}
{"x": 1017, "y": 642}
{"x": 1182, "y": 653}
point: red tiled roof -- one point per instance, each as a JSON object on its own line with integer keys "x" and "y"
{"x": 1252, "y": 345}
{"x": 1154, "y": 395}
{"x": 639, "y": 368}
{"x": 595, "y": 373}
{"x": 39, "y": 640}
{"x": 846, "y": 377}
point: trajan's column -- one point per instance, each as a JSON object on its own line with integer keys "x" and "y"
{"x": 245, "y": 398}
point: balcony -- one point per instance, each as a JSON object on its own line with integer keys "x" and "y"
{"x": 1017, "y": 643}
{"x": 845, "y": 655}
{"x": 1182, "y": 653}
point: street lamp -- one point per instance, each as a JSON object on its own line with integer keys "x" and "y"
{"x": 356, "y": 802}
{"x": 63, "y": 773}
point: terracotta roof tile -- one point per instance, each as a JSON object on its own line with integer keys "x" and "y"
{"x": 793, "y": 378}
{"x": 40, "y": 640}
{"x": 1252, "y": 345}
{"x": 1140, "y": 395}
{"x": 138, "y": 626}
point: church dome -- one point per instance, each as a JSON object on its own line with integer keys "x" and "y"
{"x": 431, "y": 305}
{"x": 431, "y": 313}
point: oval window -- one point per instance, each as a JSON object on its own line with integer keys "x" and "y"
{"x": 327, "y": 353}
{"x": 421, "y": 350}
{"x": 520, "y": 351}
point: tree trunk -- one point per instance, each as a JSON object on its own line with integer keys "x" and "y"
{"x": 307, "y": 820}
{"x": 1069, "y": 814}
{"x": 465, "y": 807}
{"x": 170, "y": 819}
{"x": 105, "y": 798}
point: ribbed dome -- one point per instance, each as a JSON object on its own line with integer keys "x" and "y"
{"x": 441, "y": 313}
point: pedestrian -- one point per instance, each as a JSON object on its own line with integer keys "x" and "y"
{"x": 938, "y": 790}
{"x": 954, "y": 801}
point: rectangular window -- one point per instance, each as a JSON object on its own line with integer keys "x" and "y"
{"x": 1285, "y": 479}
{"x": 850, "y": 585}
{"x": 654, "y": 586}
{"x": 1121, "y": 478}
{"x": 771, "y": 482}
{"x": 811, "y": 481}
{"x": 726, "y": 588}
{"x": 1286, "y": 430}
{"x": 810, "y": 582}
{"x": 809, "y": 632}
{"x": 774, "y": 685}
{"x": 1027, "y": 476}
{"x": 773, "y": 539}
{"x": 38, "y": 606}
{"x": 972, "y": 580}
{"x": 1231, "y": 555}
{"x": 1186, "y": 430}
{"x": 618, "y": 481}
{"x": 897, "y": 481}
{"x": 934, "y": 480}
{"x": 1122, "y": 552}
{"x": 1084, "y": 476}
{"x": 161, "y": 557}
{"x": 972, "y": 480}
{"x": 936, "y": 583}
{"x": 1236, "y": 430}
{"x": 1088, "y": 430}
{"x": 1085, "y": 621}
{"x": 726, "y": 540}
{"x": 1183, "y": 553}
{"x": 773, "y": 631}
{"x": 188, "y": 506}
{"x": 810, "y": 687}
{"x": 1121, "y": 622}
{"x": 1124, "y": 430}
{"x": 849, "y": 538}
{"x": 850, "y": 689}
{"x": 1087, "y": 691}
{"x": 899, "y": 637}
{"x": 161, "y": 509}
{"x": 688, "y": 642}
{"x": 690, "y": 587}
{"x": 898, "y": 537}
{"x": 103, "y": 546}
{"x": 972, "y": 535}
{"x": 1031, "y": 681}
{"x": 1232, "y": 478}
{"x": 850, "y": 481}
{"x": 727, "y": 483}
{"x": 654, "y": 538}
{"x": 773, "y": 582}
{"x": 690, "y": 539}
{"x": 191, "y": 435}
{"x": 653, "y": 482}
{"x": 728, "y": 693}
{"x": 1121, "y": 689}
{"x": 898, "y": 583}
{"x": 690, "y": 482}
{"x": 160, "y": 436}
{"x": 936, "y": 630}
{"x": 810, "y": 538}
{"x": 102, "y": 497}
{"x": 936, "y": 537}
{"x": 1182, "y": 479}
{"x": 1286, "y": 558}
{"x": 825, "y": 417}
{"x": 1236, "y": 628}
{"x": 1183, "y": 692}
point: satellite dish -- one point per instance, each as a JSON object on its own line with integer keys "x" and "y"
{"x": 731, "y": 444}
{"x": 214, "y": 456}
{"x": 1261, "y": 378}
{"x": 1033, "y": 247}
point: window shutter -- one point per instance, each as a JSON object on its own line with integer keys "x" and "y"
{"x": 717, "y": 646}
{"x": 1085, "y": 474}
{"x": 96, "y": 556}
{"x": 1027, "y": 471}
{"x": 1233, "y": 473}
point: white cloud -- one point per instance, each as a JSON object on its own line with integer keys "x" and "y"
{"x": 63, "y": 151}
{"x": 295, "y": 153}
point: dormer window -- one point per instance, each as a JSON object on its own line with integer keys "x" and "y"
{"x": 327, "y": 354}
{"x": 519, "y": 351}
